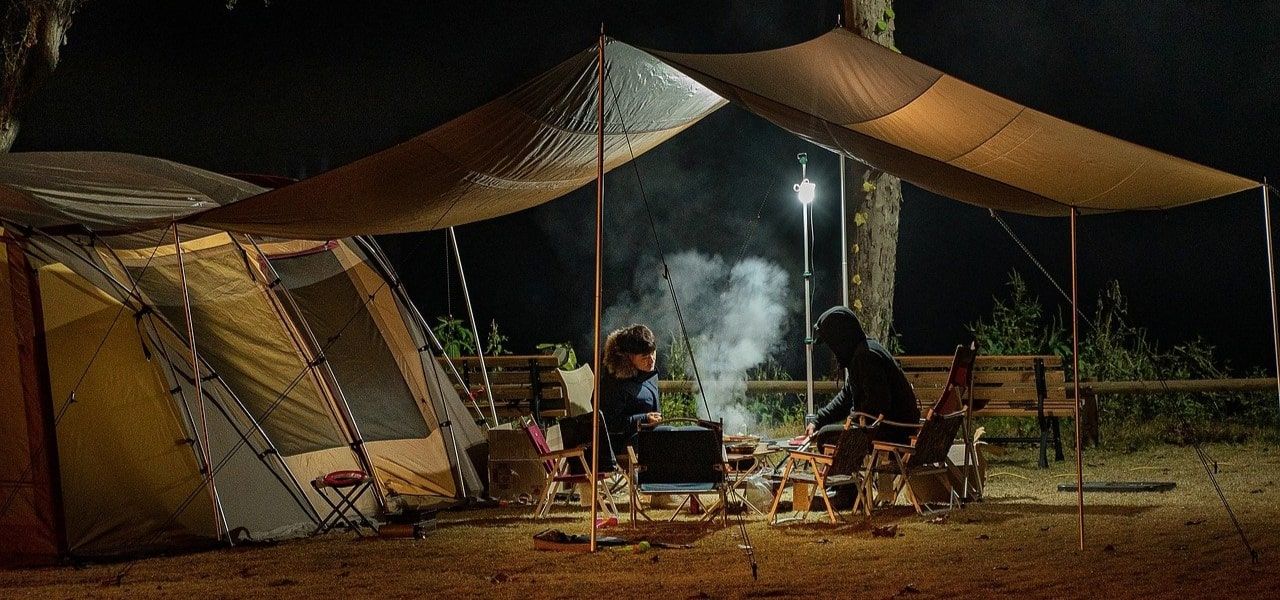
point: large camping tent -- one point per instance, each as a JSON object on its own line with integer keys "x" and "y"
{"x": 310, "y": 362}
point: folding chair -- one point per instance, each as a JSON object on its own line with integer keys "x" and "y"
{"x": 560, "y": 475}
{"x": 675, "y": 459}
{"x": 831, "y": 463}
{"x": 925, "y": 455}
{"x": 348, "y": 486}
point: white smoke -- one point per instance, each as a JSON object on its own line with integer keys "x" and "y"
{"x": 735, "y": 317}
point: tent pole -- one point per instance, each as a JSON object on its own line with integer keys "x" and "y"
{"x": 1271, "y": 273}
{"x": 595, "y": 338}
{"x": 1075, "y": 378}
{"x": 195, "y": 367}
{"x": 475, "y": 331}
{"x": 844, "y": 241}
{"x": 428, "y": 337}
{"x": 434, "y": 342}
{"x": 317, "y": 360}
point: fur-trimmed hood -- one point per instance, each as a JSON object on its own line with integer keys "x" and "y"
{"x": 619, "y": 347}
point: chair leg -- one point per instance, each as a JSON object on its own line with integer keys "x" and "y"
{"x": 724, "y": 507}
{"x": 821, "y": 488}
{"x": 777, "y": 496}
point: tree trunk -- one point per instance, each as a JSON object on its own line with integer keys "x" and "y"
{"x": 875, "y": 200}
{"x": 31, "y": 34}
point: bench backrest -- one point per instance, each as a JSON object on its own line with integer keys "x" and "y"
{"x": 519, "y": 383}
{"x": 1000, "y": 383}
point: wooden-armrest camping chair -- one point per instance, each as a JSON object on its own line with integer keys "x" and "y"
{"x": 840, "y": 462}
{"x": 564, "y": 469}
{"x": 926, "y": 454}
{"x": 680, "y": 457}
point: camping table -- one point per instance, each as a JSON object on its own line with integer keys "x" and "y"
{"x": 742, "y": 467}
{"x": 348, "y": 486}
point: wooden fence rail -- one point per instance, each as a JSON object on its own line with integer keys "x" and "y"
{"x": 1256, "y": 384}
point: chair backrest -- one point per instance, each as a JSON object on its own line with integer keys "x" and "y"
{"x": 539, "y": 442}
{"x": 955, "y": 393}
{"x": 851, "y": 450}
{"x": 935, "y": 438}
{"x": 680, "y": 454}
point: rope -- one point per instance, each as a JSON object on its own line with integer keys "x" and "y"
{"x": 657, "y": 241}
{"x": 746, "y": 546}
{"x": 1036, "y": 262}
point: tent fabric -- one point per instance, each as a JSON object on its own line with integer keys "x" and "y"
{"x": 528, "y": 147}
{"x": 107, "y": 191}
{"x": 853, "y": 96}
{"x": 27, "y": 501}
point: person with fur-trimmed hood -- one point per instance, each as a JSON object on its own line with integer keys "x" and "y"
{"x": 629, "y": 389}
{"x": 873, "y": 382}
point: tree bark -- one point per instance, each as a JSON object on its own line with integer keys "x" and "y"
{"x": 31, "y": 34}
{"x": 875, "y": 200}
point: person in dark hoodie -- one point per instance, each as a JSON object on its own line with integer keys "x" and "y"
{"x": 629, "y": 389}
{"x": 873, "y": 382}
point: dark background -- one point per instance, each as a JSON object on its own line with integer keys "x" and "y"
{"x": 295, "y": 88}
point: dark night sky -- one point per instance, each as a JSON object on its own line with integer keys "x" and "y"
{"x": 297, "y": 87}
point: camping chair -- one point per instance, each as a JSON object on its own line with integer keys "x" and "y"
{"x": 833, "y": 464}
{"x": 957, "y": 394}
{"x": 925, "y": 455}
{"x": 681, "y": 457}
{"x": 560, "y": 471}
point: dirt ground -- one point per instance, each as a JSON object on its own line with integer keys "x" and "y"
{"x": 1019, "y": 542}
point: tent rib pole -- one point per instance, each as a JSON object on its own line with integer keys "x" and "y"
{"x": 595, "y": 340}
{"x": 1075, "y": 378}
{"x": 327, "y": 375}
{"x": 195, "y": 366}
{"x": 394, "y": 281}
{"x": 1271, "y": 274}
{"x": 475, "y": 330}
{"x": 389, "y": 276}
{"x": 844, "y": 240}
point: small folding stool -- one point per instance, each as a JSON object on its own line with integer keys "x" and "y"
{"x": 348, "y": 487}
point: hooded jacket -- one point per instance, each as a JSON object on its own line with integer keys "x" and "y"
{"x": 627, "y": 394}
{"x": 874, "y": 383}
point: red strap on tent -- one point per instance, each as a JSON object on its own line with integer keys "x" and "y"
{"x": 338, "y": 479}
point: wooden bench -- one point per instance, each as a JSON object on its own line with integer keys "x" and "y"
{"x": 1010, "y": 386}
{"x": 521, "y": 385}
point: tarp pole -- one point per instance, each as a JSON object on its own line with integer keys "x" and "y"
{"x": 1271, "y": 274}
{"x": 1075, "y": 378}
{"x": 195, "y": 368}
{"x": 599, "y": 275}
{"x": 475, "y": 331}
{"x": 844, "y": 241}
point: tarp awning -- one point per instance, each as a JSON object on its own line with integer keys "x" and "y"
{"x": 528, "y": 147}
{"x": 851, "y": 95}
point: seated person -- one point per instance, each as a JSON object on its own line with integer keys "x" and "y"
{"x": 873, "y": 382}
{"x": 629, "y": 389}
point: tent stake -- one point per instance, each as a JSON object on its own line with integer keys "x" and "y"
{"x": 1271, "y": 273}
{"x": 1075, "y": 378}
{"x": 195, "y": 368}
{"x": 475, "y": 331}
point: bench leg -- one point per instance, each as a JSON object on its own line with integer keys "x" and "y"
{"x": 1057, "y": 440}
{"x": 1044, "y": 443}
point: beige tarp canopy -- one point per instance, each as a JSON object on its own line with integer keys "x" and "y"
{"x": 528, "y": 147}
{"x": 851, "y": 95}
{"x": 839, "y": 91}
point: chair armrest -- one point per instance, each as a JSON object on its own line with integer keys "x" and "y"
{"x": 566, "y": 453}
{"x": 824, "y": 458}
{"x": 898, "y": 424}
{"x": 891, "y": 446}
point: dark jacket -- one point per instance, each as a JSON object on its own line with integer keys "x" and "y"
{"x": 625, "y": 402}
{"x": 874, "y": 383}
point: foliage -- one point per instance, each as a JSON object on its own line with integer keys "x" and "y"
{"x": 774, "y": 410}
{"x": 1017, "y": 325}
{"x": 1114, "y": 349}
{"x": 678, "y": 404}
{"x": 457, "y": 339}
{"x": 566, "y": 358}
